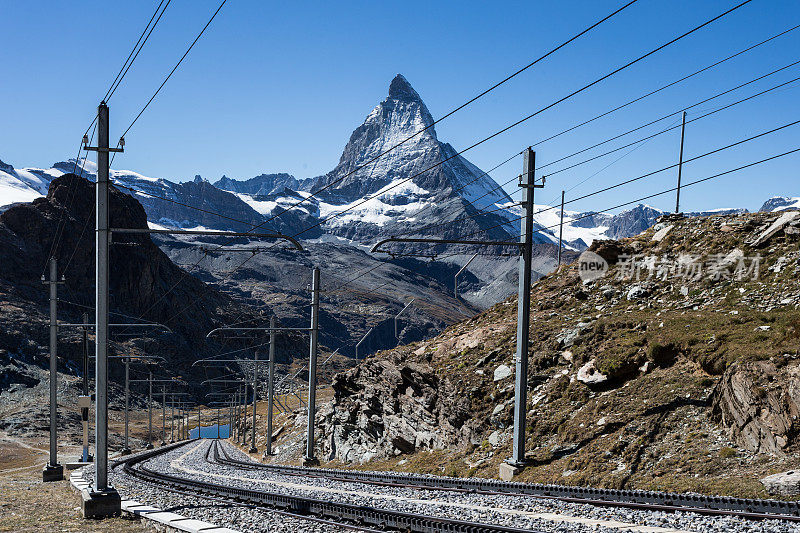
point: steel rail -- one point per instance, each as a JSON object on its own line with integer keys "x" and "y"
{"x": 752, "y": 509}
{"x": 305, "y": 507}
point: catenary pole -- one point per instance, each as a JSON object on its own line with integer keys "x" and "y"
{"x": 101, "y": 302}
{"x": 312, "y": 368}
{"x": 561, "y": 229}
{"x": 102, "y": 500}
{"x": 253, "y": 448}
{"x": 52, "y": 470}
{"x": 680, "y": 166}
{"x": 85, "y": 457}
{"x": 271, "y": 384}
{"x": 127, "y": 448}
{"x": 163, "y": 414}
{"x": 150, "y": 411}
{"x": 517, "y": 461}
{"x": 172, "y": 420}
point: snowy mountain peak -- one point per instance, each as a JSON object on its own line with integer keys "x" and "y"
{"x": 400, "y": 89}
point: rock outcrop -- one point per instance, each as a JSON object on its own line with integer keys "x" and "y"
{"x": 389, "y": 406}
{"x": 758, "y": 403}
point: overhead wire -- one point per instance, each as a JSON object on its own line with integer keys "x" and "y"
{"x": 171, "y": 72}
{"x": 135, "y": 50}
{"x": 524, "y": 119}
{"x": 535, "y": 113}
{"x": 485, "y": 211}
{"x": 460, "y": 107}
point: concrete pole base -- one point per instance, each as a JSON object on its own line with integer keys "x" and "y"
{"x": 149, "y": 446}
{"x": 52, "y": 473}
{"x": 508, "y": 471}
{"x": 310, "y": 461}
{"x": 103, "y": 504}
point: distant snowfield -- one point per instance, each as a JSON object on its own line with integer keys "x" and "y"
{"x": 395, "y": 203}
{"x": 379, "y": 209}
{"x": 794, "y": 204}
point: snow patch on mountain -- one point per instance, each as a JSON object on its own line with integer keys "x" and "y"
{"x": 781, "y": 203}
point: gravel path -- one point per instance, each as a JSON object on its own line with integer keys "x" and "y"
{"x": 536, "y": 514}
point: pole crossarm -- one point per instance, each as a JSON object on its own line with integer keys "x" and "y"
{"x": 138, "y": 325}
{"x": 211, "y": 233}
{"x": 376, "y": 248}
{"x": 230, "y": 361}
{"x": 217, "y": 330}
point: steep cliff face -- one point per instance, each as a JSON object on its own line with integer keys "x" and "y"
{"x": 759, "y": 403}
{"x": 390, "y": 406}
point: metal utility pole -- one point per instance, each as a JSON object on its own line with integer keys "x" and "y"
{"x": 102, "y": 500}
{"x": 514, "y": 464}
{"x": 127, "y": 449}
{"x": 253, "y": 448}
{"x": 312, "y": 369}
{"x": 198, "y": 422}
{"x": 217, "y": 423}
{"x": 680, "y": 166}
{"x": 163, "y": 414}
{"x": 52, "y": 470}
{"x": 149, "y": 411}
{"x": 172, "y": 420}
{"x": 561, "y": 229}
{"x": 85, "y": 400}
{"x": 270, "y": 384}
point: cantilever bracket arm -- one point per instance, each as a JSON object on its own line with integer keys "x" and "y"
{"x": 212, "y": 233}
{"x": 256, "y": 361}
{"x": 375, "y": 249}
{"x": 134, "y": 325}
{"x": 217, "y": 330}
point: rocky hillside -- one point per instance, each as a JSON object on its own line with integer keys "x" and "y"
{"x": 678, "y": 369}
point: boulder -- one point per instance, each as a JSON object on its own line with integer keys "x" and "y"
{"x": 637, "y": 292}
{"x": 502, "y": 372}
{"x": 589, "y": 374}
{"x": 774, "y": 228}
{"x": 783, "y": 483}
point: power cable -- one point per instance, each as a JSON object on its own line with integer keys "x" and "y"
{"x": 528, "y": 117}
{"x": 630, "y": 102}
{"x": 462, "y": 106}
{"x": 129, "y": 62}
{"x": 171, "y": 72}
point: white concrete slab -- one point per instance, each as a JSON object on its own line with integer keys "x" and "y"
{"x": 191, "y": 525}
{"x": 164, "y": 517}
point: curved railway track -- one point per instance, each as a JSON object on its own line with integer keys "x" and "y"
{"x": 751, "y": 509}
{"x": 342, "y": 514}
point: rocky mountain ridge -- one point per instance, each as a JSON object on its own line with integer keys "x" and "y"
{"x": 674, "y": 374}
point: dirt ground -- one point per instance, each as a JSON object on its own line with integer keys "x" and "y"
{"x": 28, "y": 504}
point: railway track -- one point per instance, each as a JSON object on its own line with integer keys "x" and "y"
{"x": 343, "y": 514}
{"x": 751, "y": 509}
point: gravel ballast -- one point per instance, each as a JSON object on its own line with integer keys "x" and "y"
{"x": 536, "y": 514}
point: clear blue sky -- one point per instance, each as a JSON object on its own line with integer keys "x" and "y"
{"x": 279, "y": 86}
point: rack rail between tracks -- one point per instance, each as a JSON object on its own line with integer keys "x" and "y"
{"x": 753, "y": 509}
{"x": 300, "y": 506}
